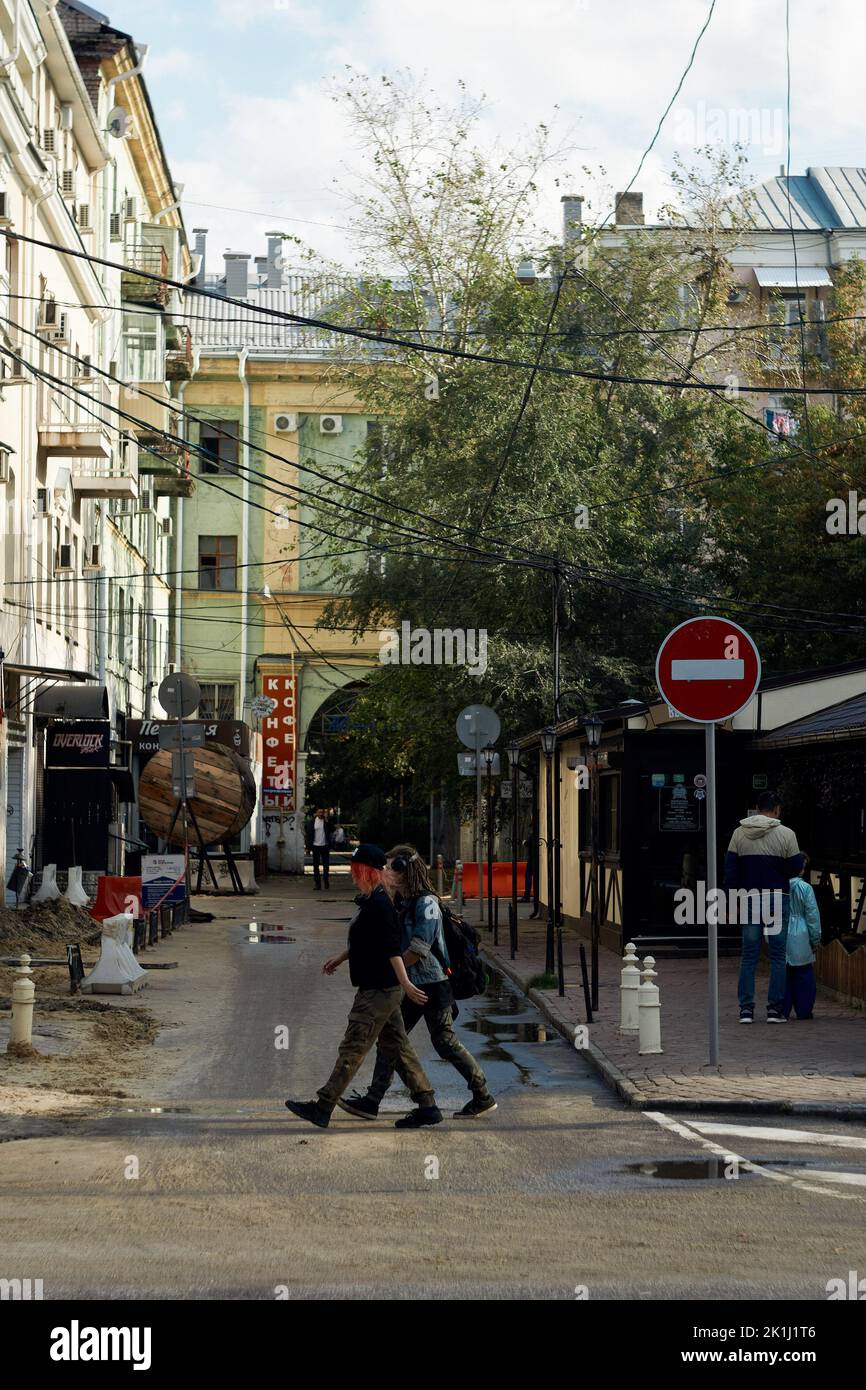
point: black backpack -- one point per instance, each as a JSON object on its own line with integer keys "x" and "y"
{"x": 466, "y": 973}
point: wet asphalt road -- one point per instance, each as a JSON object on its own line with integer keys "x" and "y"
{"x": 209, "y": 1188}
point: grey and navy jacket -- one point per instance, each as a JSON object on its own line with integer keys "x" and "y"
{"x": 763, "y": 854}
{"x": 423, "y": 934}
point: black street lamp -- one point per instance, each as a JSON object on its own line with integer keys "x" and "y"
{"x": 548, "y": 746}
{"x": 593, "y": 727}
{"x": 513, "y": 750}
{"x": 489, "y": 755}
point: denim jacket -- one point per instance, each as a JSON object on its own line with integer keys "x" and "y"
{"x": 421, "y": 920}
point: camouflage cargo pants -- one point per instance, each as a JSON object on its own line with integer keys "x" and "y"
{"x": 375, "y": 1017}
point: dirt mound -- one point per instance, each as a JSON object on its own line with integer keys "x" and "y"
{"x": 32, "y": 928}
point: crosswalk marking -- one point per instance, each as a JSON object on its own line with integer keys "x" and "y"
{"x": 781, "y": 1136}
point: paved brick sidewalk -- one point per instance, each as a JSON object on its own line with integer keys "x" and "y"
{"x": 800, "y": 1067}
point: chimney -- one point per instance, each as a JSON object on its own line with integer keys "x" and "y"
{"x": 275, "y": 261}
{"x": 200, "y": 249}
{"x": 572, "y": 217}
{"x": 261, "y": 270}
{"x": 629, "y": 210}
{"x": 237, "y": 275}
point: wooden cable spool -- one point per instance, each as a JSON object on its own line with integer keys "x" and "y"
{"x": 224, "y": 801}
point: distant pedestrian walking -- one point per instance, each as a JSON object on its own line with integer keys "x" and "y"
{"x": 318, "y": 843}
{"x": 804, "y": 933}
{"x": 426, "y": 957}
{"x": 377, "y": 971}
{"x": 763, "y": 857}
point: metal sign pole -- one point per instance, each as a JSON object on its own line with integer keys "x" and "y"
{"x": 712, "y": 915}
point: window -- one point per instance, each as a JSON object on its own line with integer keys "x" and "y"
{"x": 217, "y": 562}
{"x": 219, "y": 442}
{"x": 143, "y": 347}
{"x": 217, "y": 701}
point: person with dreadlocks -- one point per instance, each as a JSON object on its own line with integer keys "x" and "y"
{"x": 379, "y": 975}
{"x": 425, "y": 955}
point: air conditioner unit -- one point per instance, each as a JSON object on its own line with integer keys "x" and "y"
{"x": 47, "y": 313}
{"x": 114, "y": 227}
{"x": 64, "y": 560}
{"x": 331, "y": 424}
{"x": 56, "y": 331}
{"x": 66, "y": 114}
{"x": 129, "y": 209}
{"x": 48, "y": 140}
{"x": 82, "y": 216}
{"x": 43, "y": 505}
{"x": 167, "y": 526}
{"x": 286, "y": 423}
{"x": 67, "y": 183}
{"x": 94, "y": 562}
{"x": 145, "y": 500}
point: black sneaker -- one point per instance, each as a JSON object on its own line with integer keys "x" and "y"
{"x": 773, "y": 1016}
{"x": 478, "y": 1105}
{"x": 310, "y": 1110}
{"x": 422, "y": 1115}
{"x": 747, "y": 1015}
{"x": 363, "y": 1106}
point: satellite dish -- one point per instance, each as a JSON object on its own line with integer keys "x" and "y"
{"x": 118, "y": 122}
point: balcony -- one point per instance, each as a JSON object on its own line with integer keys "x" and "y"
{"x": 166, "y": 466}
{"x": 74, "y": 418}
{"x": 115, "y": 477}
{"x": 136, "y": 288}
{"x": 178, "y": 355}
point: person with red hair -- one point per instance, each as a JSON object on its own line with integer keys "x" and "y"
{"x": 378, "y": 972}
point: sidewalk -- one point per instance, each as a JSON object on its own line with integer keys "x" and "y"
{"x": 799, "y": 1067}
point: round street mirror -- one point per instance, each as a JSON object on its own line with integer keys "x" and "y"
{"x": 179, "y": 695}
{"x": 478, "y": 726}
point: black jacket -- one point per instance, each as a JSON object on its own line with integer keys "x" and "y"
{"x": 374, "y": 937}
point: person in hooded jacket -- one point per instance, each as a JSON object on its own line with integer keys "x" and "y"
{"x": 804, "y": 934}
{"x": 763, "y": 855}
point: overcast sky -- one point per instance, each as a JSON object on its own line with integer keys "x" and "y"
{"x": 240, "y": 89}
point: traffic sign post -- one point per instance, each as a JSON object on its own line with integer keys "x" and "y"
{"x": 707, "y": 670}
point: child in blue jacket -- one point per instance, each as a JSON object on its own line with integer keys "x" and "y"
{"x": 804, "y": 933}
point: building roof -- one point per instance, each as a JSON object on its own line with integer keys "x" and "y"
{"x": 825, "y": 198}
{"x": 844, "y": 720}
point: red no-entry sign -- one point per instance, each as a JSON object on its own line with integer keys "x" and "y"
{"x": 708, "y": 669}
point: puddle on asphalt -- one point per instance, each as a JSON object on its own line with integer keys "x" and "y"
{"x": 269, "y": 938}
{"x": 529, "y": 1032}
{"x": 696, "y": 1169}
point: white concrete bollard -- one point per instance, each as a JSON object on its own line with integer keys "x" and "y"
{"x": 457, "y": 891}
{"x": 48, "y": 892}
{"x": 629, "y": 989}
{"x": 649, "y": 1011}
{"x": 23, "y": 995}
{"x": 75, "y": 893}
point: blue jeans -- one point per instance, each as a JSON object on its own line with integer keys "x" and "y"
{"x": 753, "y": 934}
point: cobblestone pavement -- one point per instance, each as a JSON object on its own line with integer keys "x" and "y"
{"x": 803, "y": 1066}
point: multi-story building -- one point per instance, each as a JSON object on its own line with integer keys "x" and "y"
{"x": 255, "y": 581}
{"x": 85, "y": 600}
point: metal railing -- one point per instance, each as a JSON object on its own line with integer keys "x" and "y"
{"x": 80, "y": 404}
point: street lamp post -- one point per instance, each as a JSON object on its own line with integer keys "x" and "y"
{"x": 513, "y": 751}
{"x": 548, "y": 744}
{"x": 593, "y": 727}
{"x": 489, "y": 759}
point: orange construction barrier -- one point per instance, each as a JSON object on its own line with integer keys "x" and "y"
{"x": 113, "y": 896}
{"x": 501, "y": 878}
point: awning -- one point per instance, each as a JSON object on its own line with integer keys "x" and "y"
{"x": 784, "y": 277}
{"x": 72, "y": 702}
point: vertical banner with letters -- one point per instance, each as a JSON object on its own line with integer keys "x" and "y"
{"x": 279, "y": 742}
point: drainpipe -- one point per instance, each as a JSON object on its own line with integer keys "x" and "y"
{"x": 244, "y": 575}
{"x": 180, "y": 578}
{"x": 103, "y": 620}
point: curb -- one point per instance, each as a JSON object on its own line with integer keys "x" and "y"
{"x": 626, "y": 1089}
